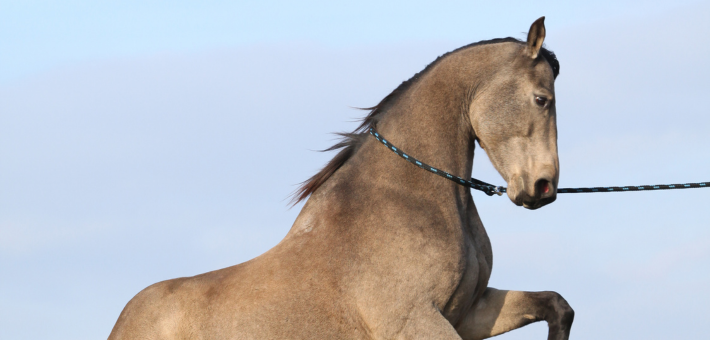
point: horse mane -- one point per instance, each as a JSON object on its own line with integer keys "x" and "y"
{"x": 351, "y": 142}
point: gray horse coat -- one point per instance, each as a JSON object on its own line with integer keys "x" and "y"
{"x": 383, "y": 249}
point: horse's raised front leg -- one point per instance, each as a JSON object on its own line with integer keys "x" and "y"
{"x": 500, "y": 311}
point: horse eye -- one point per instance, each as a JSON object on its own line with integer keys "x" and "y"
{"x": 540, "y": 100}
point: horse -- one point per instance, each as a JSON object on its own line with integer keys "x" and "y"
{"x": 382, "y": 249}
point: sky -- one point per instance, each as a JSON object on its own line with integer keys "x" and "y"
{"x": 147, "y": 140}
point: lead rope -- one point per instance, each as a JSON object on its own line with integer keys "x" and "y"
{"x": 490, "y": 189}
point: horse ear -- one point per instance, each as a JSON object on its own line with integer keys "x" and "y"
{"x": 536, "y": 36}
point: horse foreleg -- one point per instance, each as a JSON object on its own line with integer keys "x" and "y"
{"x": 500, "y": 311}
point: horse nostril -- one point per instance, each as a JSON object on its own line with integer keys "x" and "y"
{"x": 542, "y": 187}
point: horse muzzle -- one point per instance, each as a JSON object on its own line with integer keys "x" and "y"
{"x": 537, "y": 195}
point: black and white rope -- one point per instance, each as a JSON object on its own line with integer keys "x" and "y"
{"x": 491, "y": 189}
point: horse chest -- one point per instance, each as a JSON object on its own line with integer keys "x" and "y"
{"x": 475, "y": 272}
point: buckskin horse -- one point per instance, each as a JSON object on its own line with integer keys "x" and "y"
{"x": 382, "y": 249}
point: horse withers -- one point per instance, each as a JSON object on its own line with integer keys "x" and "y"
{"x": 382, "y": 249}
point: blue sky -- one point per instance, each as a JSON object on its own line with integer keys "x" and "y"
{"x": 142, "y": 141}
{"x": 40, "y": 35}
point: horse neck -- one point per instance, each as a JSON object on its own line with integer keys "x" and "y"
{"x": 430, "y": 122}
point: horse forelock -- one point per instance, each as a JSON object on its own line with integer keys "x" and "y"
{"x": 551, "y": 59}
{"x": 350, "y": 142}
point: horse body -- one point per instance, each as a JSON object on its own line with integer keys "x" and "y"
{"x": 381, "y": 249}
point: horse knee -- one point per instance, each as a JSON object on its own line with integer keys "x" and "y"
{"x": 559, "y": 313}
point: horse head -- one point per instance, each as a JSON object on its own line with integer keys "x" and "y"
{"x": 513, "y": 116}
